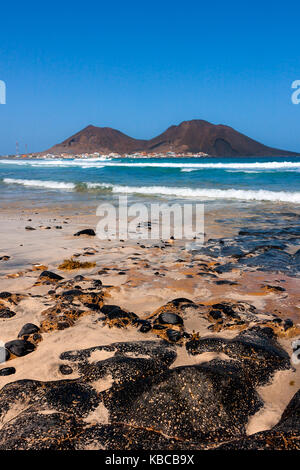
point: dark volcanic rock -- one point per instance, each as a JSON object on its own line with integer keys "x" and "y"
{"x": 225, "y": 268}
{"x": 290, "y": 420}
{"x": 256, "y": 350}
{"x": 181, "y": 300}
{"x": 116, "y": 316}
{"x": 60, "y": 316}
{"x": 147, "y": 405}
{"x": 28, "y": 329}
{"x": 88, "y": 231}
{"x": 222, "y": 282}
{"x": 86, "y": 297}
{"x": 274, "y": 288}
{"x": 284, "y": 436}
{"x": 52, "y": 411}
{"x": 72, "y": 294}
{"x": 120, "y": 436}
{"x": 7, "y": 371}
{"x": 154, "y": 350}
{"x": 71, "y": 397}
{"x": 49, "y": 275}
{"x": 122, "y": 369}
{"x": 6, "y": 313}
{"x": 109, "y": 309}
{"x": 94, "y": 307}
{"x": 204, "y": 402}
{"x": 189, "y": 399}
{"x": 36, "y": 431}
{"x": 170, "y": 318}
{"x": 266, "y": 440}
{"x": 145, "y": 326}
{"x": 19, "y": 347}
{"x": 5, "y": 295}
{"x": 173, "y": 335}
{"x": 64, "y": 369}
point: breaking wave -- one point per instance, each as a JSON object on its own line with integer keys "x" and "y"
{"x": 40, "y": 184}
{"x": 181, "y": 192}
{"x": 105, "y": 162}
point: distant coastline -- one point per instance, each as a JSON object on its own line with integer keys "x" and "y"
{"x": 96, "y": 155}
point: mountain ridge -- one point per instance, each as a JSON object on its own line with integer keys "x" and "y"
{"x": 193, "y": 136}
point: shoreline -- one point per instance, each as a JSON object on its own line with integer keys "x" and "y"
{"x": 42, "y": 156}
{"x": 52, "y": 240}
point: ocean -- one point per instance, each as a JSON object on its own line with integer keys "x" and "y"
{"x": 213, "y": 180}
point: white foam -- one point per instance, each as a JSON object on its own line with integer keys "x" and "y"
{"x": 188, "y": 170}
{"x": 246, "y": 171}
{"x": 184, "y": 192}
{"x": 196, "y": 166}
{"x": 259, "y": 195}
{"x": 59, "y": 163}
{"x": 99, "y": 163}
{"x": 40, "y": 184}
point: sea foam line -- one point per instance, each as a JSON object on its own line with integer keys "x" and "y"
{"x": 98, "y": 163}
{"x": 259, "y": 195}
{"x": 184, "y": 192}
{"x": 40, "y": 184}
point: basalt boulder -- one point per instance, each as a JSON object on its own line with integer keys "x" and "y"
{"x": 116, "y": 316}
{"x": 284, "y": 436}
{"x": 88, "y": 231}
{"x": 127, "y": 396}
{"x": 35, "y": 430}
{"x": 7, "y": 371}
{"x": 256, "y": 350}
{"x": 6, "y": 313}
{"x": 28, "y": 329}
{"x": 48, "y": 277}
{"x": 19, "y": 347}
{"x": 199, "y": 403}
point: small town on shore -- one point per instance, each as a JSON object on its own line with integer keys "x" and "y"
{"x": 108, "y": 156}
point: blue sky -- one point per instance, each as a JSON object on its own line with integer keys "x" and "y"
{"x": 142, "y": 66}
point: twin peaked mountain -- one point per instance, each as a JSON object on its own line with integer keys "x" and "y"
{"x": 188, "y": 137}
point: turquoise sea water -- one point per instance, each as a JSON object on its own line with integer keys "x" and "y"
{"x": 210, "y": 179}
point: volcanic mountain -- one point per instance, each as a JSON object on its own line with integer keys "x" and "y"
{"x": 188, "y": 137}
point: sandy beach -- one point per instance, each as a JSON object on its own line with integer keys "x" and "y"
{"x": 142, "y": 277}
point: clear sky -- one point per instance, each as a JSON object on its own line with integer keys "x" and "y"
{"x": 140, "y": 66}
